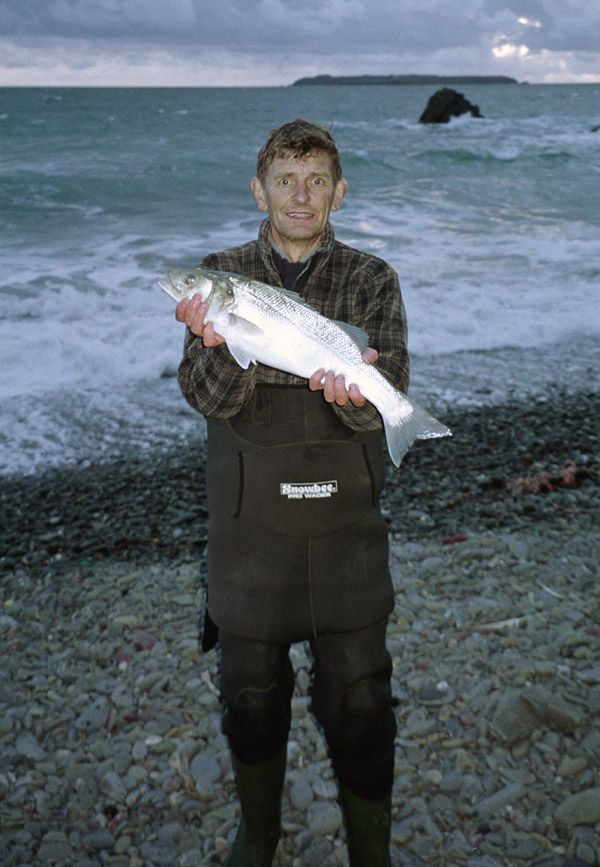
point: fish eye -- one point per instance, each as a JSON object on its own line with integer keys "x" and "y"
{"x": 189, "y": 280}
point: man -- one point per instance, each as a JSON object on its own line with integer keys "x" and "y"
{"x": 284, "y": 569}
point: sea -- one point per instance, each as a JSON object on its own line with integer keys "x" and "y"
{"x": 492, "y": 223}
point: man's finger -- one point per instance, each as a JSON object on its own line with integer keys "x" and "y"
{"x": 210, "y": 336}
{"x": 329, "y": 387}
{"x": 370, "y": 355}
{"x": 317, "y": 380}
{"x": 180, "y": 309}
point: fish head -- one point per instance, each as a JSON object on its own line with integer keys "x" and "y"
{"x": 214, "y": 287}
{"x": 185, "y": 284}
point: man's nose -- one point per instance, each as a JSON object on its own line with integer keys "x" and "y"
{"x": 301, "y": 193}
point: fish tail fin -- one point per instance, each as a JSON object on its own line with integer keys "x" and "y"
{"x": 408, "y": 425}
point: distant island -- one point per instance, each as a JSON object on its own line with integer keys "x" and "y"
{"x": 404, "y": 79}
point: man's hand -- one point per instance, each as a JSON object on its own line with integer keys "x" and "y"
{"x": 334, "y": 387}
{"x": 193, "y": 311}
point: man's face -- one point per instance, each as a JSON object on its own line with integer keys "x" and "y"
{"x": 299, "y": 193}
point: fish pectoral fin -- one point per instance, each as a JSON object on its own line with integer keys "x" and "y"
{"x": 238, "y": 331}
{"x": 356, "y": 334}
{"x": 243, "y": 326}
{"x": 241, "y": 354}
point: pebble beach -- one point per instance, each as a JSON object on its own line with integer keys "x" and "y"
{"x": 111, "y": 751}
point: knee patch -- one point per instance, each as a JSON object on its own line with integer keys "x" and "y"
{"x": 257, "y": 723}
{"x": 364, "y": 711}
{"x": 362, "y": 747}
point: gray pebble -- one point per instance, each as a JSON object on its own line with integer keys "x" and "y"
{"x": 50, "y": 853}
{"x": 317, "y": 853}
{"x": 301, "y": 795}
{"x": 191, "y": 858}
{"x": 28, "y": 746}
{"x": 205, "y": 790}
{"x": 43, "y": 803}
{"x": 112, "y": 786}
{"x": 324, "y": 818}
{"x": 139, "y": 751}
{"x": 93, "y": 716}
{"x": 100, "y": 839}
{"x": 582, "y": 808}
{"x": 205, "y": 768}
{"x": 494, "y": 804}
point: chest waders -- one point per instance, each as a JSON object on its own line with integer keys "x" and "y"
{"x": 297, "y": 545}
{"x": 297, "y": 548}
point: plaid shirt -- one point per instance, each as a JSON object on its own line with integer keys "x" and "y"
{"x": 341, "y": 283}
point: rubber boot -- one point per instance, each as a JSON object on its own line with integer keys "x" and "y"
{"x": 368, "y": 828}
{"x": 259, "y": 788}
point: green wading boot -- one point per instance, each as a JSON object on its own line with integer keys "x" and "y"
{"x": 368, "y": 828}
{"x": 259, "y": 788}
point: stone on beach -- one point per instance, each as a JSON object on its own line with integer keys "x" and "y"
{"x": 519, "y": 712}
{"x": 582, "y": 808}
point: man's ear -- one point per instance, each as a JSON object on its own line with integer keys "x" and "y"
{"x": 340, "y": 191}
{"x": 259, "y": 194}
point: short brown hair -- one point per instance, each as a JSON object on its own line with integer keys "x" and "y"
{"x": 297, "y": 139}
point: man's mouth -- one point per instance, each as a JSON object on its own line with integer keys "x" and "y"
{"x": 299, "y": 215}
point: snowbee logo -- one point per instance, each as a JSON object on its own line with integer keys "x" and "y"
{"x": 309, "y": 491}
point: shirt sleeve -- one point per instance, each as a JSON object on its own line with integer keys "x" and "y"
{"x": 210, "y": 379}
{"x": 383, "y": 317}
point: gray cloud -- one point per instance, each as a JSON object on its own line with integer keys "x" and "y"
{"x": 313, "y": 26}
{"x": 328, "y": 34}
{"x": 554, "y": 25}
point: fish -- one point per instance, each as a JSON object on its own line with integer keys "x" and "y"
{"x": 277, "y": 327}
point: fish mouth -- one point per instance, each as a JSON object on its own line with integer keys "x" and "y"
{"x": 169, "y": 287}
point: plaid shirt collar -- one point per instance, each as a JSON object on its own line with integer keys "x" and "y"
{"x": 265, "y": 243}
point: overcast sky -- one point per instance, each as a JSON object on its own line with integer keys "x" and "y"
{"x": 274, "y": 42}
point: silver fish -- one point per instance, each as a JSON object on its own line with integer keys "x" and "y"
{"x": 261, "y": 323}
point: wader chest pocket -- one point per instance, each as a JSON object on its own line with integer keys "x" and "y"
{"x": 305, "y": 489}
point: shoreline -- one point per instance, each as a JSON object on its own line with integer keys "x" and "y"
{"x": 152, "y": 506}
{"x": 70, "y": 429}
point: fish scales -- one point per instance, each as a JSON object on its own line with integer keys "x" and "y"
{"x": 262, "y": 323}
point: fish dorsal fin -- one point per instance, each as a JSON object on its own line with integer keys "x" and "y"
{"x": 356, "y": 334}
{"x": 294, "y": 296}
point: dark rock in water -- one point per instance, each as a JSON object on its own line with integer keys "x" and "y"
{"x": 447, "y": 103}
